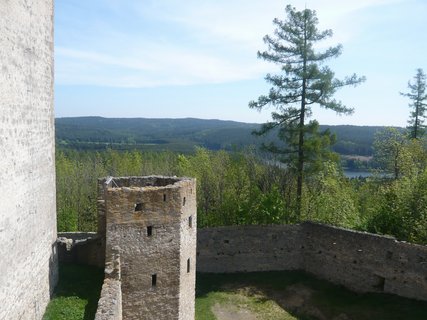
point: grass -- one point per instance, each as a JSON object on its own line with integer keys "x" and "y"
{"x": 304, "y": 297}
{"x": 265, "y": 295}
{"x": 77, "y": 294}
{"x": 255, "y": 304}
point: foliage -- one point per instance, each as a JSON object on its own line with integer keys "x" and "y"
{"x": 330, "y": 198}
{"x": 395, "y": 153}
{"x": 242, "y": 188}
{"x": 304, "y": 82}
{"x": 233, "y": 188}
{"x": 398, "y": 207}
{"x": 402, "y": 209}
{"x": 389, "y": 145}
{"x": 418, "y": 97}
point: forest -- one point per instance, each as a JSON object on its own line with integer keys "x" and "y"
{"x": 241, "y": 187}
{"x": 182, "y": 135}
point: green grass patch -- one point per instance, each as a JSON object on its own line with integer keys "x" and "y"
{"x": 297, "y": 295}
{"x": 263, "y": 295}
{"x": 77, "y": 294}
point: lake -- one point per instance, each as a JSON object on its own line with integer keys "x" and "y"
{"x": 357, "y": 174}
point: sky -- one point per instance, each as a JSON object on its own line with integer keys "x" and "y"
{"x": 198, "y": 58}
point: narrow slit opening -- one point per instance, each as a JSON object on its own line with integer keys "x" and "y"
{"x": 154, "y": 280}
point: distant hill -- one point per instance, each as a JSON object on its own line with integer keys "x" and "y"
{"x": 97, "y": 133}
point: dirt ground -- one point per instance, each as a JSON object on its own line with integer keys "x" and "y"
{"x": 230, "y": 312}
{"x": 294, "y": 298}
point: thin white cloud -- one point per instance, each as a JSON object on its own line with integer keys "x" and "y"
{"x": 148, "y": 67}
{"x": 222, "y": 38}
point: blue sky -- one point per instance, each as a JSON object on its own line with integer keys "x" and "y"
{"x": 194, "y": 58}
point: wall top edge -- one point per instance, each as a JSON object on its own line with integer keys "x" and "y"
{"x": 144, "y": 182}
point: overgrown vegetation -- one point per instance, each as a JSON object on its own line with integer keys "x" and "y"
{"x": 77, "y": 294}
{"x": 242, "y": 188}
{"x": 296, "y": 295}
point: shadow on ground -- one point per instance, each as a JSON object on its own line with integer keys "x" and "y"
{"x": 305, "y": 297}
{"x": 77, "y": 294}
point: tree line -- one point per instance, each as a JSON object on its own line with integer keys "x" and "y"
{"x": 243, "y": 188}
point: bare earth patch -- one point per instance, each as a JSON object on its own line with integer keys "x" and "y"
{"x": 230, "y": 312}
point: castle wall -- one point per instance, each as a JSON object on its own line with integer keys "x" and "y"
{"x": 360, "y": 261}
{"x": 365, "y": 262}
{"x": 249, "y": 248}
{"x": 81, "y": 248}
{"x": 110, "y": 301}
{"x": 28, "y": 267}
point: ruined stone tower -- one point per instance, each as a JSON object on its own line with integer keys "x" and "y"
{"x": 151, "y": 223}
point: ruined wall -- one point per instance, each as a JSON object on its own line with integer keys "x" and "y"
{"x": 28, "y": 268}
{"x": 249, "y": 248}
{"x": 81, "y": 248}
{"x": 110, "y": 301}
{"x": 365, "y": 262}
{"x": 360, "y": 261}
{"x": 147, "y": 222}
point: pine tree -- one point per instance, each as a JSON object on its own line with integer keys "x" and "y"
{"x": 418, "y": 97}
{"x": 303, "y": 82}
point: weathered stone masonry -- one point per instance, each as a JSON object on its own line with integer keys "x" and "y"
{"x": 28, "y": 267}
{"x": 360, "y": 261}
{"x": 151, "y": 233}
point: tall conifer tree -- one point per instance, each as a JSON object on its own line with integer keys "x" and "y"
{"x": 304, "y": 81}
{"x": 418, "y": 97}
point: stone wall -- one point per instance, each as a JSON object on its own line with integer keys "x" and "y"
{"x": 28, "y": 267}
{"x": 249, "y": 248}
{"x": 365, "y": 262}
{"x": 110, "y": 301}
{"x": 81, "y": 248}
{"x": 360, "y": 261}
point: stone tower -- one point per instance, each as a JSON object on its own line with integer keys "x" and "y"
{"x": 151, "y": 222}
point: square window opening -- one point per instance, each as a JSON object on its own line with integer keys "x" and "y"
{"x": 149, "y": 231}
{"x": 138, "y": 206}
